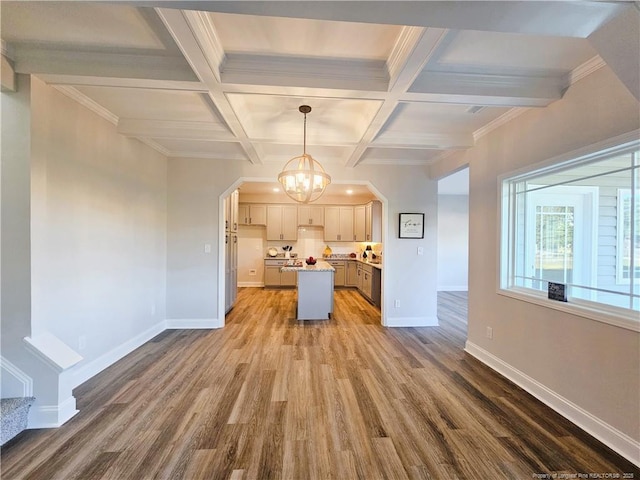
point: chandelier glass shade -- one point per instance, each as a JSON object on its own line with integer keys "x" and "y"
{"x": 303, "y": 178}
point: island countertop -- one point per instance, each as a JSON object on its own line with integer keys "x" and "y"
{"x": 320, "y": 266}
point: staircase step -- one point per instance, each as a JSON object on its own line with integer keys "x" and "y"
{"x": 13, "y": 416}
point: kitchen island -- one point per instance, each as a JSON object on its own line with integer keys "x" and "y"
{"x": 315, "y": 289}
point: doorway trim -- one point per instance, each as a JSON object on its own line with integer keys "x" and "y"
{"x": 221, "y": 256}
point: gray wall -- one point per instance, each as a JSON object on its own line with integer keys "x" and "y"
{"x": 453, "y": 242}
{"x": 570, "y": 360}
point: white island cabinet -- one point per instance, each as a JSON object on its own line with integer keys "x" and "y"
{"x": 315, "y": 290}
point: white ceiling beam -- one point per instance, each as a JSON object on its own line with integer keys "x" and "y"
{"x": 439, "y": 141}
{"x": 565, "y": 19}
{"x": 504, "y": 90}
{"x": 183, "y": 34}
{"x": 187, "y": 130}
{"x": 148, "y": 84}
{"x": 37, "y": 60}
{"x": 411, "y": 53}
{"x": 347, "y": 74}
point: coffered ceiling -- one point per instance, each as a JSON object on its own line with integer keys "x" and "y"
{"x": 389, "y": 82}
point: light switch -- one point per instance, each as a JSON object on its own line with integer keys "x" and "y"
{"x": 207, "y": 248}
{"x": 420, "y": 250}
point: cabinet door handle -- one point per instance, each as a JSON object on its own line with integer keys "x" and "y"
{"x": 249, "y": 220}
{"x": 367, "y": 237}
{"x": 235, "y": 239}
{"x": 235, "y": 226}
{"x": 226, "y": 224}
{"x": 226, "y": 239}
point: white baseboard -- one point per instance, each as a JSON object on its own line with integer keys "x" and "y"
{"x": 84, "y": 372}
{"x": 619, "y": 441}
{"x": 193, "y": 323}
{"x": 453, "y": 288}
{"x": 251, "y": 284}
{"x": 412, "y": 322}
{"x": 51, "y": 416}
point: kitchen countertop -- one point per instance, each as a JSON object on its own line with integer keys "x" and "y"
{"x": 374, "y": 265}
{"x": 320, "y": 266}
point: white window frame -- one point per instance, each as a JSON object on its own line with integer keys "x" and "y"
{"x": 621, "y": 317}
{"x": 620, "y": 238}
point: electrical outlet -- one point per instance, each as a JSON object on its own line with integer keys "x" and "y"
{"x": 207, "y": 248}
{"x": 420, "y": 250}
{"x": 397, "y": 304}
{"x": 489, "y": 333}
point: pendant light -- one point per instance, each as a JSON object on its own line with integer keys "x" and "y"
{"x": 303, "y": 178}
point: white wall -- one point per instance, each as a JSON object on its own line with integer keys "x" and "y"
{"x": 453, "y": 242}
{"x": 98, "y": 232}
{"x": 195, "y": 186}
{"x": 588, "y": 368}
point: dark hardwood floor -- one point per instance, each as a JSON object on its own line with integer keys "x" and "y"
{"x": 271, "y": 397}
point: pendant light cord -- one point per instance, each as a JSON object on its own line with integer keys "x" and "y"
{"x": 304, "y": 141}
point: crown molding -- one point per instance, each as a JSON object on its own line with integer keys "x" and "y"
{"x": 498, "y": 122}
{"x": 587, "y": 68}
{"x": 155, "y": 145}
{"x": 85, "y": 101}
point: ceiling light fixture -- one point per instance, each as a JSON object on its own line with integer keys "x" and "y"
{"x": 303, "y": 178}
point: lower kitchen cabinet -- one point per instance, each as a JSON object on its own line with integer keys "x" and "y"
{"x": 273, "y": 277}
{"x": 352, "y": 274}
{"x": 339, "y": 278}
{"x": 369, "y": 283}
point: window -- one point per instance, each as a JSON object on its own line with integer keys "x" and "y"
{"x": 576, "y": 221}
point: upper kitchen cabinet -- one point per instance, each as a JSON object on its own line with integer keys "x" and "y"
{"x": 231, "y": 212}
{"x": 360, "y": 223}
{"x": 368, "y": 222}
{"x": 282, "y": 222}
{"x": 338, "y": 224}
{"x": 252, "y": 214}
{"x": 373, "y": 222}
{"x": 310, "y": 216}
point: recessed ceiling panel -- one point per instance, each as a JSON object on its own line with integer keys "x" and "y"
{"x": 83, "y": 23}
{"x": 512, "y": 51}
{"x": 302, "y": 37}
{"x": 152, "y": 104}
{"x": 277, "y": 119}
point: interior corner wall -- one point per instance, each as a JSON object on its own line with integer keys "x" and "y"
{"x": 15, "y": 228}
{"x": 195, "y": 186}
{"x": 453, "y": 242}
{"x": 590, "y": 364}
{"x": 98, "y": 219}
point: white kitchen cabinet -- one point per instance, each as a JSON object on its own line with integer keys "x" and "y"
{"x": 360, "y": 223}
{"x": 369, "y": 283}
{"x": 231, "y": 212}
{"x": 231, "y": 270}
{"x": 352, "y": 274}
{"x": 340, "y": 272}
{"x": 373, "y": 222}
{"x": 252, "y": 214}
{"x": 338, "y": 224}
{"x": 310, "y": 216}
{"x": 273, "y": 277}
{"x": 282, "y": 222}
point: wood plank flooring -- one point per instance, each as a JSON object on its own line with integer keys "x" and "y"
{"x": 271, "y": 397}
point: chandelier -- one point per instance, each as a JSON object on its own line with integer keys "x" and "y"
{"x": 303, "y": 178}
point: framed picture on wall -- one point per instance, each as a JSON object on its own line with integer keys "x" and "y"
{"x": 412, "y": 225}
